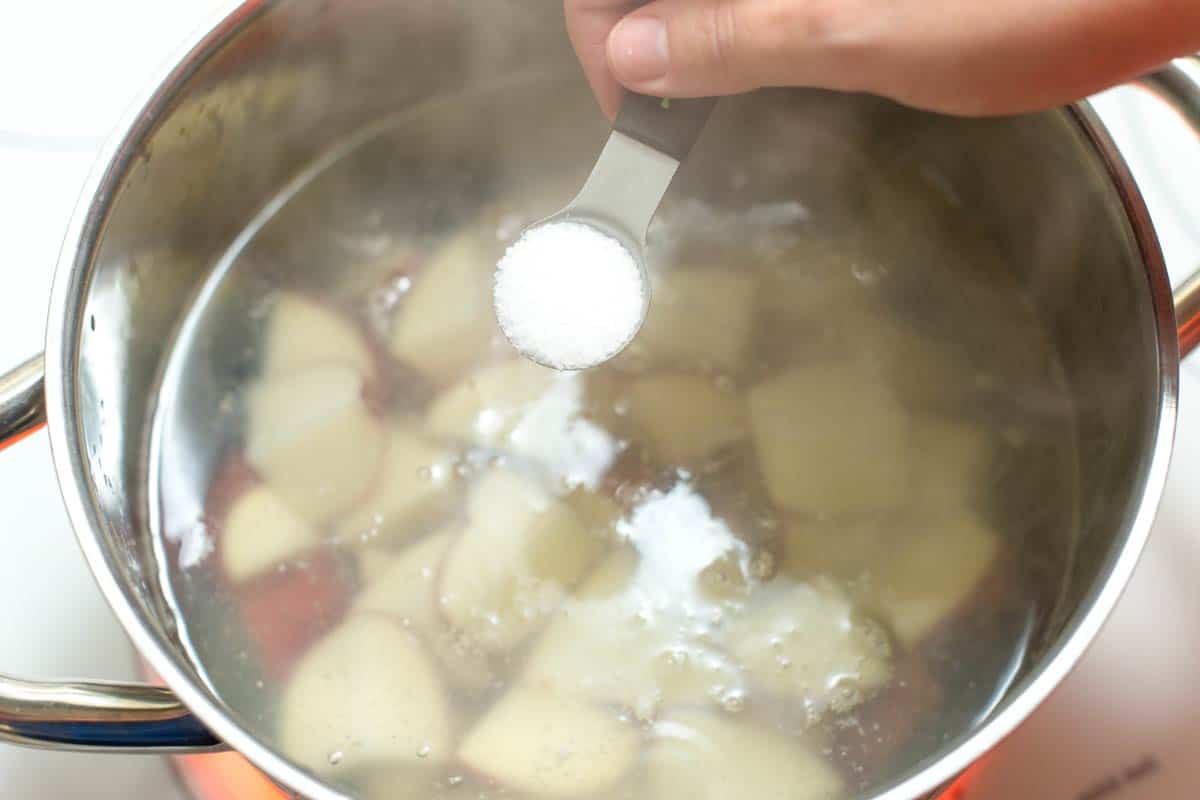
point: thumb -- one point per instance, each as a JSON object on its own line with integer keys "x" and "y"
{"x": 690, "y": 48}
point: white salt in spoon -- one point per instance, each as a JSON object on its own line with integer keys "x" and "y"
{"x": 573, "y": 290}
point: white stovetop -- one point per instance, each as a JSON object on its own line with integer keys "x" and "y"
{"x": 68, "y": 69}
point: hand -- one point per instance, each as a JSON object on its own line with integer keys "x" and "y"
{"x": 968, "y": 57}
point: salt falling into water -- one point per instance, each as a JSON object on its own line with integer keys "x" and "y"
{"x": 568, "y": 296}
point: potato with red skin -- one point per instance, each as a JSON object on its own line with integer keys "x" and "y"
{"x": 285, "y": 608}
{"x": 284, "y": 612}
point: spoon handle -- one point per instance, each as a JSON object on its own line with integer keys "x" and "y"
{"x": 669, "y": 126}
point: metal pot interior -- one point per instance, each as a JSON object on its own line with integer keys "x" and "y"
{"x": 502, "y": 102}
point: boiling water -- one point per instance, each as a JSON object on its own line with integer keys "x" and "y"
{"x": 798, "y": 539}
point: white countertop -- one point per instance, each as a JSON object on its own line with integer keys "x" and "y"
{"x": 61, "y": 88}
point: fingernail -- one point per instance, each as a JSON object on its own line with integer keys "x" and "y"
{"x": 638, "y": 49}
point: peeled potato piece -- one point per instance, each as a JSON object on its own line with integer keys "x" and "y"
{"x": 404, "y": 588}
{"x": 924, "y": 372}
{"x": 301, "y": 332}
{"x": 446, "y": 320}
{"x": 313, "y": 441}
{"x": 683, "y": 418}
{"x": 550, "y": 745}
{"x": 816, "y": 274}
{"x": 831, "y": 439}
{"x": 486, "y": 406}
{"x": 416, "y": 479}
{"x": 600, "y": 647}
{"x": 400, "y": 784}
{"x": 259, "y": 531}
{"x": 700, "y": 316}
{"x": 695, "y": 756}
{"x": 804, "y": 641}
{"x": 845, "y": 549}
{"x": 930, "y": 573}
{"x": 521, "y": 551}
{"x": 369, "y": 693}
{"x": 952, "y": 459}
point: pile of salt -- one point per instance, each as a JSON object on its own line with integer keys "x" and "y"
{"x": 568, "y": 296}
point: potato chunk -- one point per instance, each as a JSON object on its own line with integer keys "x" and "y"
{"x": 951, "y": 463}
{"x": 312, "y": 439}
{"x": 485, "y": 407}
{"x": 804, "y": 641}
{"x": 260, "y": 531}
{"x": 446, "y": 321}
{"x": 415, "y": 481}
{"x": 831, "y": 439}
{"x": 521, "y": 551}
{"x": 930, "y": 573}
{"x": 683, "y": 417}
{"x": 301, "y": 332}
{"x": 602, "y": 646}
{"x": 365, "y": 695}
{"x": 550, "y": 745}
{"x": 842, "y": 549}
{"x": 695, "y": 756}
{"x": 700, "y": 316}
{"x": 404, "y": 588}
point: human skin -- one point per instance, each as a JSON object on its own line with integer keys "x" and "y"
{"x": 963, "y": 57}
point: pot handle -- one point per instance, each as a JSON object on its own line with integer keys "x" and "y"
{"x": 120, "y": 717}
{"x": 1178, "y": 85}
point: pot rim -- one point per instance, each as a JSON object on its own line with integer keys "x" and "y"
{"x": 65, "y": 323}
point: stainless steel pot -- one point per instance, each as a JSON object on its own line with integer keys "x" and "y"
{"x": 273, "y": 85}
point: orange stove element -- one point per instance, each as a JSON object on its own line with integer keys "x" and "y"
{"x": 228, "y": 775}
{"x": 959, "y": 789}
{"x": 219, "y": 776}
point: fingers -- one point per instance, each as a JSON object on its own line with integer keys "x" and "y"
{"x": 589, "y": 23}
{"x": 687, "y": 48}
{"x": 955, "y": 56}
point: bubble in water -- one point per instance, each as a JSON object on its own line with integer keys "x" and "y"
{"x": 424, "y": 751}
{"x": 733, "y": 701}
{"x": 335, "y": 758}
{"x": 259, "y": 684}
{"x": 645, "y": 706}
{"x": 621, "y": 408}
{"x": 868, "y": 274}
{"x": 454, "y": 780}
{"x": 762, "y": 565}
